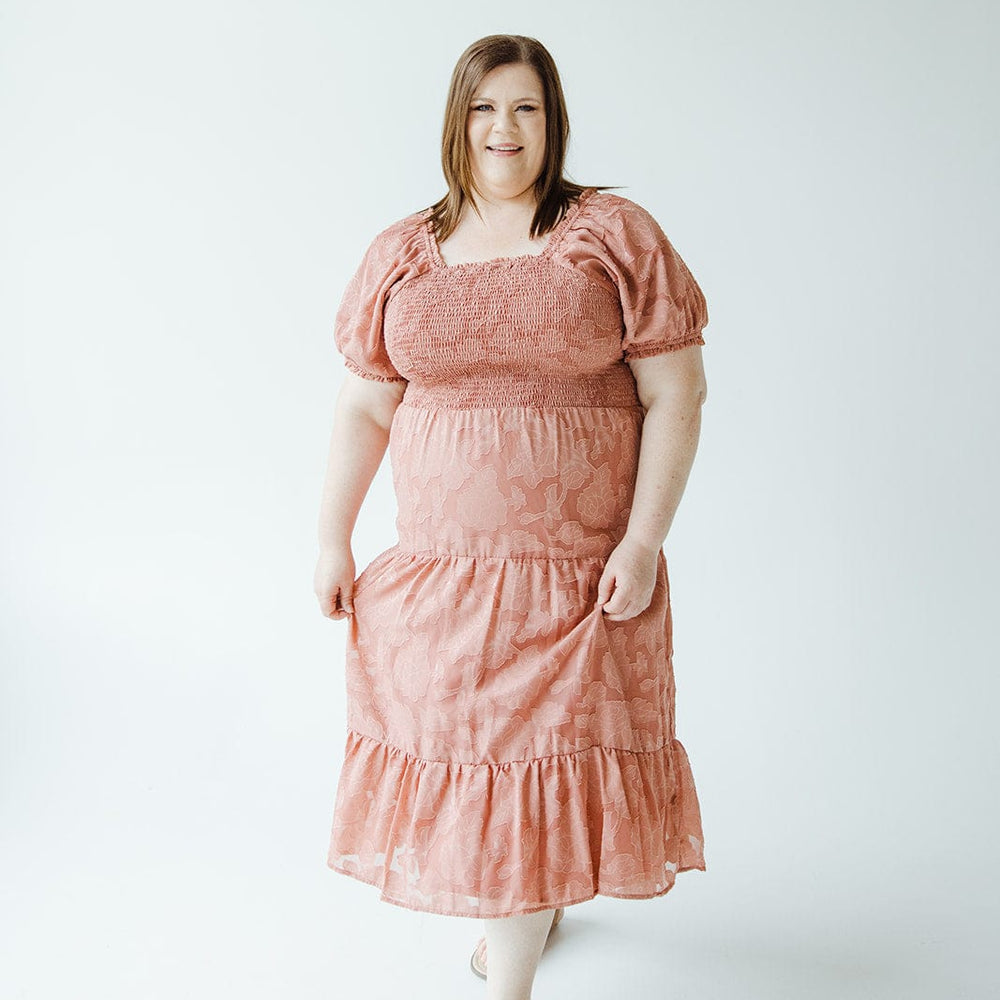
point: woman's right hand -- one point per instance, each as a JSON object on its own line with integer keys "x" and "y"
{"x": 333, "y": 582}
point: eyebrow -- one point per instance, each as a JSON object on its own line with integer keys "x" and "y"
{"x": 537, "y": 100}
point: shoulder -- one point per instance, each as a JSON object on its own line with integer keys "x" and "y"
{"x": 622, "y": 218}
{"x": 401, "y": 232}
{"x": 395, "y": 251}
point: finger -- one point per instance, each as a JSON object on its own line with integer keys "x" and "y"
{"x": 605, "y": 588}
{"x": 621, "y": 600}
{"x": 618, "y": 603}
{"x": 622, "y": 615}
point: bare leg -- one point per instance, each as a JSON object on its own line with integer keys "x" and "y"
{"x": 514, "y": 946}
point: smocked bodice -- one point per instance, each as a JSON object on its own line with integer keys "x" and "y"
{"x": 554, "y": 328}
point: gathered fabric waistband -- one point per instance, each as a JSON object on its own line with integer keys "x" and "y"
{"x": 615, "y": 388}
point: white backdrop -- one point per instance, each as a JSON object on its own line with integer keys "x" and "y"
{"x": 186, "y": 189}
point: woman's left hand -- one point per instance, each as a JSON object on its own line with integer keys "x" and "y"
{"x": 629, "y": 578}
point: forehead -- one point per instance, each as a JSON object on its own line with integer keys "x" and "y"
{"x": 505, "y": 80}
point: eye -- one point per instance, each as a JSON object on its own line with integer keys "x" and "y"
{"x": 479, "y": 107}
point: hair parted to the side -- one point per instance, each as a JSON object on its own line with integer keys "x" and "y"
{"x": 553, "y": 191}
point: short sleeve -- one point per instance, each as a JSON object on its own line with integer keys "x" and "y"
{"x": 358, "y": 327}
{"x": 663, "y": 308}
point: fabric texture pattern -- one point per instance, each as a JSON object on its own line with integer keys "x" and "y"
{"x": 509, "y": 748}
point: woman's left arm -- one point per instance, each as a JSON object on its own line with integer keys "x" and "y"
{"x": 672, "y": 388}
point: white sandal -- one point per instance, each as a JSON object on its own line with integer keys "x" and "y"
{"x": 478, "y": 960}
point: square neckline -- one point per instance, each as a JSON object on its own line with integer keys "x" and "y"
{"x": 555, "y": 234}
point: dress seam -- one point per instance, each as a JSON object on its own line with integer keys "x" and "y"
{"x": 663, "y": 347}
{"x": 434, "y": 554}
{"x": 528, "y": 406}
{"x": 353, "y": 366}
{"x": 521, "y": 760}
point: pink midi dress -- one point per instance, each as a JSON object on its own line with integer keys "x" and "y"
{"x": 509, "y": 748}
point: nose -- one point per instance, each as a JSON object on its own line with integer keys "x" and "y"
{"x": 506, "y": 121}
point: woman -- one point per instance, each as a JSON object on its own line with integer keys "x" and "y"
{"x": 528, "y": 350}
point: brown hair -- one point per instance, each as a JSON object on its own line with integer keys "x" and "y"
{"x": 553, "y": 192}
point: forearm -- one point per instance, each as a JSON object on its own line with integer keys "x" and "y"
{"x": 357, "y": 445}
{"x": 670, "y": 432}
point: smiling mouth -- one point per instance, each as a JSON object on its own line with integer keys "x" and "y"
{"x": 505, "y": 149}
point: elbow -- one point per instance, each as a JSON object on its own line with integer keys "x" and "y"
{"x": 699, "y": 387}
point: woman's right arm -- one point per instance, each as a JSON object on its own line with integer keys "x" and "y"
{"x": 362, "y": 418}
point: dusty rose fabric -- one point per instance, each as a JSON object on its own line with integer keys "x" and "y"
{"x": 509, "y": 748}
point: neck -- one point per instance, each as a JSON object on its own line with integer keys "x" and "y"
{"x": 501, "y": 208}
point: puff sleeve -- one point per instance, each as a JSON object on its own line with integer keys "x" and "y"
{"x": 663, "y": 308}
{"x": 358, "y": 331}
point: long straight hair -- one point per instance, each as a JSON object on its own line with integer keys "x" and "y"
{"x": 553, "y": 192}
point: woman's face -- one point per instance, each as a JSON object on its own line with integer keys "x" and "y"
{"x": 507, "y": 109}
